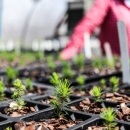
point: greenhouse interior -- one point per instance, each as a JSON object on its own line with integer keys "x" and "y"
{"x": 64, "y": 65}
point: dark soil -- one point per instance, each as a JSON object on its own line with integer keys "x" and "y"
{"x": 123, "y": 113}
{"x": 47, "y": 124}
{"x": 87, "y": 106}
{"x": 19, "y": 112}
{"x": 116, "y": 97}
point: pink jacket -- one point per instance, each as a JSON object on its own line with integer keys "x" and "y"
{"x": 104, "y": 13}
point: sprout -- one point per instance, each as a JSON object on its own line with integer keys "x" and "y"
{"x": 62, "y": 94}
{"x": 28, "y": 84}
{"x": 19, "y": 92}
{"x": 2, "y": 88}
{"x": 103, "y": 83}
{"x": 11, "y": 74}
{"x": 50, "y": 62}
{"x": 97, "y": 63}
{"x": 54, "y": 79}
{"x": 39, "y": 56}
{"x": 8, "y": 128}
{"x": 80, "y": 61}
{"x": 68, "y": 73}
{"x": 81, "y": 80}
{"x": 109, "y": 116}
{"x": 114, "y": 81}
{"x": 97, "y": 93}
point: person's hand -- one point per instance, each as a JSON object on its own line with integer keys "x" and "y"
{"x": 68, "y": 53}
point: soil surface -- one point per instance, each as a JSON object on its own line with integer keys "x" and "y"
{"x": 100, "y": 128}
{"x": 87, "y": 106}
{"x": 116, "y": 97}
{"x": 47, "y": 124}
{"x": 123, "y": 113}
{"x": 19, "y": 112}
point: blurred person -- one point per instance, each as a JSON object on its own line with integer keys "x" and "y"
{"x": 106, "y": 14}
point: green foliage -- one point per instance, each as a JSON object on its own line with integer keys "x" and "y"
{"x": 97, "y": 63}
{"x": 19, "y": 92}
{"x": 109, "y": 116}
{"x": 114, "y": 81}
{"x": 62, "y": 94}
{"x": 9, "y": 128}
{"x": 39, "y": 55}
{"x": 97, "y": 93}
{"x": 103, "y": 83}
{"x": 50, "y": 62}
{"x": 80, "y": 61}
{"x": 2, "y": 88}
{"x": 11, "y": 73}
{"x": 54, "y": 79}
{"x": 67, "y": 72}
{"x": 28, "y": 84}
{"x": 81, "y": 81}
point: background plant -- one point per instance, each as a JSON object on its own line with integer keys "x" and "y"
{"x": 67, "y": 72}
{"x": 97, "y": 93}
{"x": 80, "y": 61}
{"x": 50, "y": 62}
{"x": 62, "y": 97}
{"x": 28, "y": 84}
{"x": 103, "y": 83}
{"x": 81, "y": 81}
{"x": 11, "y": 74}
{"x": 114, "y": 81}
{"x": 2, "y": 88}
{"x": 109, "y": 116}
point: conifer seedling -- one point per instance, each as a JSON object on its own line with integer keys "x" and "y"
{"x": 114, "y": 81}
{"x": 80, "y": 61}
{"x": 50, "y": 62}
{"x": 28, "y": 84}
{"x": 2, "y": 88}
{"x": 18, "y": 93}
{"x": 11, "y": 74}
{"x": 103, "y": 83}
{"x": 9, "y": 128}
{"x": 68, "y": 73}
{"x": 109, "y": 116}
{"x": 54, "y": 79}
{"x": 81, "y": 81}
{"x": 97, "y": 93}
{"x": 62, "y": 97}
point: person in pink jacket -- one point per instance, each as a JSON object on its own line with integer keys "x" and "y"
{"x": 104, "y": 14}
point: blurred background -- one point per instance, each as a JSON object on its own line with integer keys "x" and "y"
{"x": 41, "y": 24}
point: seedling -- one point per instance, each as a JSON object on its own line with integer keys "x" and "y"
{"x": 54, "y": 79}
{"x": 109, "y": 116}
{"x": 62, "y": 95}
{"x": 97, "y": 63}
{"x": 97, "y": 93}
{"x": 11, "y": 74}
{"x": 81, "y": 81}
{"x": 80, "y": 61}
{"x": 18, "y": 93}
{"x": 114, "y": 81}
{"x": 2, "y": 88}
{"x": 39, "y": 56}
{"x": 28, "y": 84}
{"x": 50, "y": 62}
{"x": 9, "y": 128}
{"x": 103, "y": 83}
{"x": 67, "y": 70}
